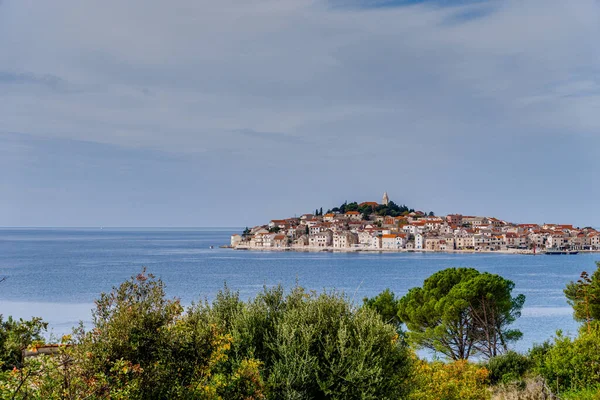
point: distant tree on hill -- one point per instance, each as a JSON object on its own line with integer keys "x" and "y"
{"x": 392, "y": 209}
{"x": 352, "y": 206}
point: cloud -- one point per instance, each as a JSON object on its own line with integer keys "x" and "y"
{"x": 291, "y": 66}
{"x": 310, "y": 84}
{"x": 51, "y": 81}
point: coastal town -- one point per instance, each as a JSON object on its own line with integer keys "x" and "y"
{"x": 385, "y": 226}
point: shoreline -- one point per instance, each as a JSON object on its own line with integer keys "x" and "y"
{"x": 330, "y": 249}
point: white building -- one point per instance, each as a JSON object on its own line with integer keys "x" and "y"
{"x": 555, "y": 241}
{"x": 342, "y": 240}
{"x": 393, "y": 241}
{"x": 235, "y": 240}
{"x": 376, "y": 242}
{"x": 419, "y": 241}
{"x": 322, "y": 239}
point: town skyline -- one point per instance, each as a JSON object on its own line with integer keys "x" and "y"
{"x": 387, "y": 226}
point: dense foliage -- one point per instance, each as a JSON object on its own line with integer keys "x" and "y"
{"x": 573, "y": 363}
{"x": 277, "y": 346}
{"x": 571, "y": 366}
{"x": 459, "y": 380}
{"x": 508, "y": 367}
{"x": 391, "y": 209}
{"x": 302, "y": 345}
{"x": 460, "y": 312}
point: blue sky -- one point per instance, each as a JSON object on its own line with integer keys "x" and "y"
{"x": 230, "y": 113}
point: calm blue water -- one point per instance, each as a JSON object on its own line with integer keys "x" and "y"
{"x": 57, "y": 273}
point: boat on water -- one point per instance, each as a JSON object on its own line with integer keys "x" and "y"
{"x": 551, "y": 251}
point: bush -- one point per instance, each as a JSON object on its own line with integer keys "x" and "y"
{"x": 295, "y": 346}
{"x": 583, "y": 394}
{"x": 16, "y": 336}
{"x": 537, "y": 356}
{"x": 314, "y": 345}
{"x": 459, "y": 380}
{"x": 573, "y": 364}
{"x": 508, "y": 367}
{"x": 142, "y": 346}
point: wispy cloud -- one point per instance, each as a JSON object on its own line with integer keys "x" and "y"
{"x": 366, "y": 4}
{"x": 51, "y": 81}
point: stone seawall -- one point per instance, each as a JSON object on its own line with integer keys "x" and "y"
{"x": 331, "y": 249}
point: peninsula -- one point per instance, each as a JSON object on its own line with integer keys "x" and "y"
{"x": 386, "y": 226}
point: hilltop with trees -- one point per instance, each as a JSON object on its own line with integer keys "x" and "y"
{"x": 367, "y": 208}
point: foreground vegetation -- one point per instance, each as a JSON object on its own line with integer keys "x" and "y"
{"x": 308, "y": 345}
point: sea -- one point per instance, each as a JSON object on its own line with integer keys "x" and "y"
{"x": 57, "y": 274}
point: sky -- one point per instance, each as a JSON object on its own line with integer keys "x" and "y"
{"x": 194, "y": 113}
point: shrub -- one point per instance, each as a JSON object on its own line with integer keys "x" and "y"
{"x": 143, "y": 345}
{"x": 573, "y": 364}
{"x": 314, "y": 345}
{"x": 459, "y": 380}
{"x": 508, "y": 367}
{"x": 16, "y": 336}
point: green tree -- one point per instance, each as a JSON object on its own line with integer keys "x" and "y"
{"x": 352, "y": 206}
{"x": 460, "y": 312}
{"x": 492, "y": 309}
{"x": 246, "y": 232}
{"x": 433, "y": 321}
{"x": 584, "y": 297}
{"x": 386, "y": 305}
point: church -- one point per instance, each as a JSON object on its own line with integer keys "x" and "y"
{"x": 386, "y": 200}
